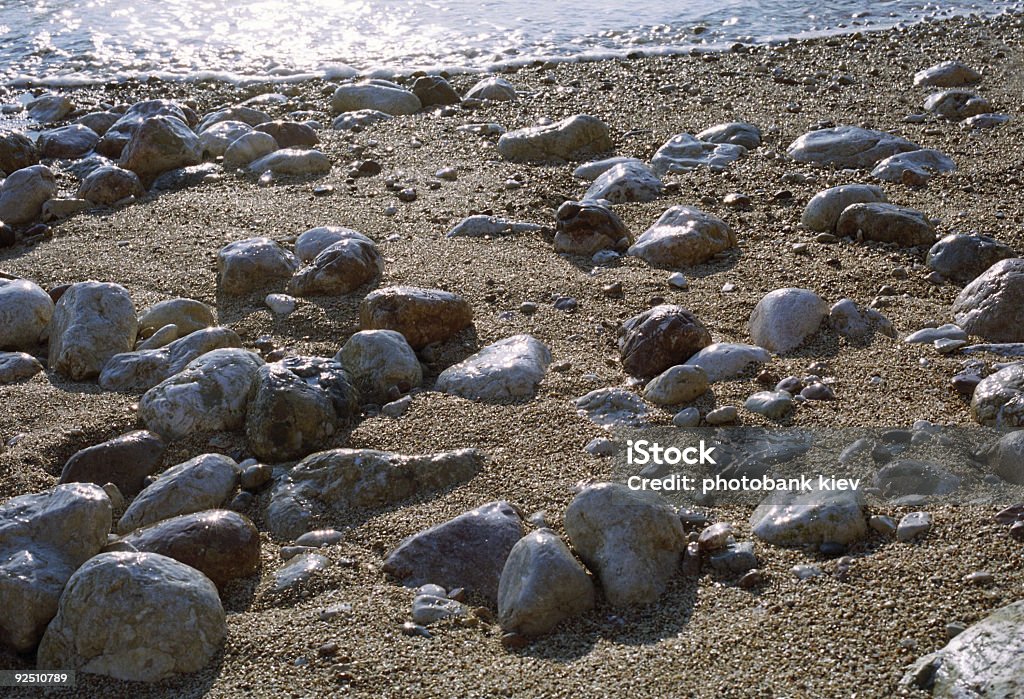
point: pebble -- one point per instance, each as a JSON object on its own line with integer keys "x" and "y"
{"x": 721, "y": 416}
{"x": 281, "y": 304}
{"x": 913, "y": 525}
{"x": 688, "y": 417}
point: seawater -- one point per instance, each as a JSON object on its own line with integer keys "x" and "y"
{"x": 67, "y": 42}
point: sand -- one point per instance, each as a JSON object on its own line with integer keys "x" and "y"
{"x": 705, "y": 637}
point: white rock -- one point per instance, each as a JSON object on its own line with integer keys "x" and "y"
{"x": 786, "y": 318}
{"x": 722, "y": 361}
{"x": 359, "y": 120}
{"x": 242, "y": 113}
{"x": 796, "y": 518}
{"x": 281, "y": 304}
{"x": 681, "y": 237}
{"x": 44, "y": 537}
{"x": 292, "y": 162}
{"x": 572, "y": 138}
{"x": 135, "y": 616}
{"x": 633, "y": 540}
{"x": 590, "y": 171}
{"x": 998, "y": 401}
{"x": 737, "y": 133}
{"x": 91, "y": 323}
{"x": 956, "y": 104}
{"x": 24, "y": 192}
{"x": 913, "y": 525}
{"x": 202, "y": 483}
{"x": 247, "y": 265}
{"x": 210, "y": 394}
{"x": 25, "y": 313}
{"x": 612, "y": 407}
{"x": 541, "y": 585}
{"x": 683, "y": 153}
{"x": 679, "y": 384}
{"x": 947, "y": 74}
{"x": 822, "y": 211}
{"x": 914, "y": 167}
{"x": 143, "y": 369}
{"x": 215, "y": 140}
{"x": 379, "y": 360}
{"x": 494, "y": 89}
{"x": 507, "y": 370}
{"x": 984, "y": 121}
{"x": 626, "y": 182}
{"x": 379, "y": 95}
{"x": 188, "y": 315}
{"x": 928, "y": 336}
{"x": 480, "y": 225}
{"x": 248, "y": 147}
{"x": 847, "y": 146}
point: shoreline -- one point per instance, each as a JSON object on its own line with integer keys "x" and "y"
{"x": 705, "y": 637}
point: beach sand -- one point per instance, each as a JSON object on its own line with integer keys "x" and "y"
{"x": 705, "y": 637}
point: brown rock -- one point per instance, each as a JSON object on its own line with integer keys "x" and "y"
{"x": 124, "y": 461}
{"x": 433, "y": 90}
{"x": 290, "y": 134}
{"x": 423, "y": 316}
{"x": 659, "y": 338}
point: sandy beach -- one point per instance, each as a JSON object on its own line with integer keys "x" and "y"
{"x": 705, "y": 637}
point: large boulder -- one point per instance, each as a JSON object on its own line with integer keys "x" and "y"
{"x": 141, "y": 370}
{"x": 507, "y": 370}
{"x": 423, "y": 316}
{"x": 24, "y": 192}
{"x": 683, "y": 236}
{"x": 847, "y": 146}
{"x": 380, "y": 362}
{"x": 91, "y": 323}
{"x": 341, "y": 480}
{"x": 135, "y": 616}
{"x": 570, "y": 139}
{"x": 340, "y": 268}
{"x": 25, "y": 313}
{"x": 784, "y": 319}
{"x": 379, "y": 95}
{"x": 246, "y": 265}
{"x": 160, "y": 143}
{"x": 798, "y": 518}
{"x": 659, "y": 338}
{"x": 202, "y": 483}
{"x": 633, "y": 540}
{"x": 209, "y": 394}
{"x": 468, "y": 552}
{"x": 992, "y": 306}
{"x": 542, "y": 584}
{"x": 44, "y": 537}
{"x": 125, "y": 461}
{"x": 823, "y": 210}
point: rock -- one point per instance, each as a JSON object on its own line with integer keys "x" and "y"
{"x": 210, "y": 394}
{"x": 58, "y": 209}
{"x": 202, "y": 483}
{"x": 160, "y": 143}
{"x": 379, "y": 95}
{"x": 735, "y": 133}
{"x": 25, "y": 313}
{"x": 676, "y": 385}
{"x": 784, "y": 319}
{"x": 247, "y": 265}
{"x": 481, "y": 225}
{"x": 1008, "y": 461}
{"x": 423, "y": 316}
{"x": 24, "y": 192}
{"x": 359, "y": 120}
{"x": 17, "y": 151}
{"x": 468, "y": 552}
{"x": 722, "y": 361}
{"x": 963, "y": 258}
{"x": 625, "y": 183}
{"x": 292, "y": 162}
{"x": 823, "y": 210}
{"x": 957, "y": 105}
{"x": 632, "y": 540}
{"x": 340, "y": 268}
{"x": 590, "y": 171}
{"x": 429, "y": 609}
{"x": 135, "y": 616}
{"x": 947, "y": 74}
{"x": 914, "y": 167}
{"x": 238, "y": 113}
{"x": 314, "y": 241}
{"x": 125, "y": 461}
{"x": 44, "y": 537}
{"x": 913, "y": 525}
{"x": 222, "y": 545}
{"x": 91, "y": 323}
{"x": 771, "y": 404}
{"x": 296, "y": 405}
{"x": 847, "y": 147}
{"x": 110, "y": 184}
{"x": 984, "y": 121}
{"x": 797, "y": 518}
{"x": 72, "y": 141}
{"x": 734, "y": 558}
{"x": 341, "y": 480}
{"x": 586, "y": 227}
{"x": 659, "y": 338}
{"x": 998, "y": 400}
{"x": 612, "y": 407}
{"x": 573, "y": 138}
{"x": 248, "y": 147}
{"x": 18, "y": 366}
{"x": 494, "y": 89}
{"x": 683, "y": 153}
{"x": 847, "y": 319}
{"x": 116, "y": 137}
{"x": 299, "y": 569}
{"x": 984, "y": 660}
{"x": 905, "y": 477}
{"x": 143, "y": 369}
{"x": 188, "y": 315}
{"x": 290, "y": 134}
{"x": 886, "y": 223}
{"x": 689, "y": 417}
{"x": 681, "y": 237}
{"x": 433, "y": 90}
{"x": 992, "y": 306}
{"x": 930, "y": 335}
{"x": 49, "y": 108}
{"x": 186, "y": 177}
{"x": 379, "y": 360}
{"x": 541, "y": 585}
{"x": 722, "y": 416}
{"x": 215, "y": 140}
{"x": 99, "y": 122}
{"x": 507, "y": 370}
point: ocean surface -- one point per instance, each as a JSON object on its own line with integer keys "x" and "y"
{"x": 61, "y": 42}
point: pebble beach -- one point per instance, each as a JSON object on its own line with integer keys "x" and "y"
{"x": 848, "y": 614}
